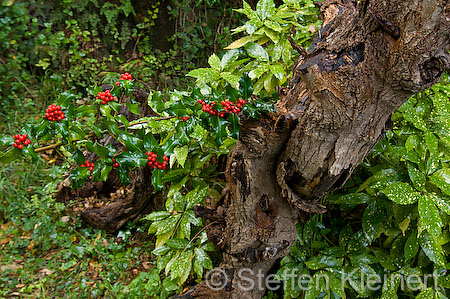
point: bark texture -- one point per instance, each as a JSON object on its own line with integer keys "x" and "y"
{"x": 365, "y": 62}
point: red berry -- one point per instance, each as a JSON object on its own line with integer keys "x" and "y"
{"x": 117, "y": 83}
{"x": 15, "y": 144}
{"x": 20, "y": 146}
{"x": 115, "y": 165}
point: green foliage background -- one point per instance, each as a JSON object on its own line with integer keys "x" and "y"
{"x": 391, "y": 218}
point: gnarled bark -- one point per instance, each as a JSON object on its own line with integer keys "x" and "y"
{"x": 366, "y": 61}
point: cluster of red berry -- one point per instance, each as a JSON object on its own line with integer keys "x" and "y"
{"x": 105, "y": 96}
{"x": 126, "y": 76}
{"x": 184, "y": 118}
{"x": 54, "y": 113}
{"x": 231, "y": 107}
{"x": 21, "y": 140}
{"x": 208, "y": 107}
{"x": 115, "y": 164}
{"x": 88, "y": 165}
{"x": 151, "y": 161}
{"x": 228, "y": 106}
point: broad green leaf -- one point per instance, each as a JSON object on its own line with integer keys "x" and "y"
{"x": 233, "y": 80}
{"x": 112, "y": 127}
{"x": 240, "y": 43}
{"x": 181, "y": 153}
{"x": 411, "y": 246}
{"x": 182, "y": 266}
{"x": 442, "y": 203}
{"x": 105, "y": 110}
{"x": 273, "y": 25}
{"x": 214, "y": 62}
{"x": 426, "y": 294}
{"x": 195, "y": 196}
{"x": 441, "y": 178}
{"x": 62, "y": 128}
{"x": 412, "y": 142}
{"x": 65, "y": 98}
{"x": 256, "y": 51}
{"x": 199, "y": 133}
{"x": 78, "y": 176}
{"x": 401, "y": 193}
{"x": 432, "y": 249}
{"x": 229, "y": 57}
{"x": 417, "y": 177}
{"x": 351, "y": 199}
{"x": 185, "y": 228}
{"x": 321, "y": 261}
{"x": 157, "y": 215}
{"x": 201, "y": 261}
{"x": 201, "y": 73}
{"x": 277, "y": 70}
{"x": 234, "y": 128}
{"x": 336, "y": 285}
{"x": 429, "y": 214}
{"x": 259, "y": 71}
{"x": 265, "y": 8}
{"x": 372, "y": 221}
{"x": 41, "y": 129}
{"x": 179, "y": 244}
{"x": 121, "y": 118}
{"x": 168, "y": 224}
{"x": 431, "y": 142}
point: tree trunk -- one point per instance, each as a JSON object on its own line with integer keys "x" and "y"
{"x": 366, "y": 61}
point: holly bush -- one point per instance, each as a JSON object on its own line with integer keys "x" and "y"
{"x": 177, "y": 142}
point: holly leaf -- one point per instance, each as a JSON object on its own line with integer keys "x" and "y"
{"x": 78, "y": 157}
{"x": 100, "y": 150}
{"x": 115, "y": 106}
{"x": 78, "y": 176}
{"x": 156, "y": 179}
{"x": 123, "y": 173}
{"x": 132, "y": 143}
{"x": 245, "y": 86}
{"x": 133, "y": 108}
{"x": 234, "y": 128}
{"x": 150, "y": 142}
{"x": 131, "y": 159}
